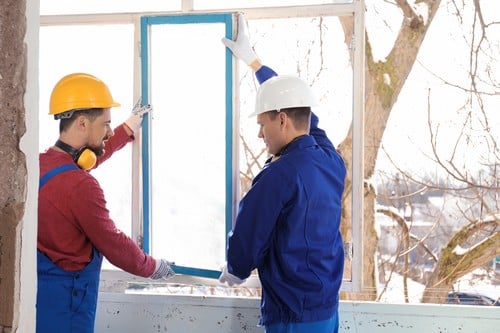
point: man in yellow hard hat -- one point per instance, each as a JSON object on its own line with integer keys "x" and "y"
{"x": 287, "y": 226}
{"x": 75, "y": 230}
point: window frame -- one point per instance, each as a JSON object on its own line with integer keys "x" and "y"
{"x": 355, "y": 9}
{"x": 230, "y": 162}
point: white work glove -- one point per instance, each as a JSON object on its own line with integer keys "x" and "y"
{"x": 230, "y": 278}
{"x": 241, "y": 47}
{"x": 163, "y": 270}
{"x": 134, "y": 122}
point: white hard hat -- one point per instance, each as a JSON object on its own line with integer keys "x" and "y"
{"x": 281, "y": 92}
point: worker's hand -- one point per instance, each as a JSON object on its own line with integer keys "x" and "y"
{"x": 163, "y": 270}
{"x": 241, "y": 47}
{"x": 230, "y": 278}
{"x": 134, "y": 122}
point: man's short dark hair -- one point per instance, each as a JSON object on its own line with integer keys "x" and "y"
{"x": 301, "y": 116}
{"x": 90, "y": 114}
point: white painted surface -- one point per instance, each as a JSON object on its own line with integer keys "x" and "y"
{"x": 374, "y": 317}
{"x": 182, "y": 313}
{"x": 29, "y": 146}
{"x": 175, "y": 313}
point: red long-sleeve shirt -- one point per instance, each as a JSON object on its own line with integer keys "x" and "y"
{"x": 73, "y": 218}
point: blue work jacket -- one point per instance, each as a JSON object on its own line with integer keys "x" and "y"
{"x": 288, "y": 228}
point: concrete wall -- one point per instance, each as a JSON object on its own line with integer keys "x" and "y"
{"x": 121, "y": 313}
{"x": 19, "y": 25}
{"x": 12, "y": 160}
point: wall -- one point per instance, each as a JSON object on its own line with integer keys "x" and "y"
{"x": 19, "y": 25}
{"x": 12, "y": 160}
{"x": 180, "y": 313}
{"x": 29, "y": 146}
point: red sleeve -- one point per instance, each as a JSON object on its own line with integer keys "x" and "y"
{"x": 116, "y": 142}
{"x": 93, "y": 217}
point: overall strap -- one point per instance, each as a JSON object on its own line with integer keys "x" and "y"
{"x": 54, "y": 172}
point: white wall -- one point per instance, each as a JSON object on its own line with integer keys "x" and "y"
{"x": 121, "y": 313}
{"x": 29, "y": 146}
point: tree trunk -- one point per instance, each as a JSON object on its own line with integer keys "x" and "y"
{"x": 380, "y": 98}
{"x": 454, "y": 262}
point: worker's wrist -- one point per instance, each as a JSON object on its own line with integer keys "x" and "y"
{"x": 128, "y": 130}
{"x": 255, "y": 65}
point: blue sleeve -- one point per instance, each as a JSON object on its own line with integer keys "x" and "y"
{"x": 319, "y": 134}
{"x": 264, "y": 73}
{"x": 249, "y": 241}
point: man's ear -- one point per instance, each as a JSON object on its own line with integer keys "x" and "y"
{"x": 82, "y": 122}
{"x": 283, "y": 118}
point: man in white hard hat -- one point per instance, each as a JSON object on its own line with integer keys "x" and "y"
{"x": 288, "y": 223}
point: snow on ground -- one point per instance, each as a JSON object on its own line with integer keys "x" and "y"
{"x": 394, "y": 291}
{"x": 480, "y": 282}
{"x": 477, "y": 282}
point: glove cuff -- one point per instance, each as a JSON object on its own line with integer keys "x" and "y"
{"x": 134, "y": 122}
{"x": 163, "y": 270}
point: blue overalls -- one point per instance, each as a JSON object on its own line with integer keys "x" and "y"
{"x": 66, "y": 301}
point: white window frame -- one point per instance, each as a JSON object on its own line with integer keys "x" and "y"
{"x": 355, "y": 9}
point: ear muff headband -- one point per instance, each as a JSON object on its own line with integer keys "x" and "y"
{"x": 85, "y": 158}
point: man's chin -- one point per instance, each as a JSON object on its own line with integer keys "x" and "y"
{"x": 98, "y": 151}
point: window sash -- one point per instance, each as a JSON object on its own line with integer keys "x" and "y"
{"x": 147, "y": 23}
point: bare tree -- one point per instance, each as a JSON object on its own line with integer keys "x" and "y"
{"x": 385, "y": 80}
{"x": 381, "y": 94}
{"x": 478, "y": 241}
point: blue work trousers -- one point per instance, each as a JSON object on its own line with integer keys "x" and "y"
{"x": 324, "y": 326}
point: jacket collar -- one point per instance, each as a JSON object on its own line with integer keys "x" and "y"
{"x": 299, "y": 142}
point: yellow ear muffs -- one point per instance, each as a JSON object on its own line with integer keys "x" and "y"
{"x": 85, "y": 158}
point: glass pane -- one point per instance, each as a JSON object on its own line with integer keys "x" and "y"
{"x": 188, "y": 144}
{"x": 68, "y": 49}
{"x": 61, "y": 7}
{"x": 314, "y": 49}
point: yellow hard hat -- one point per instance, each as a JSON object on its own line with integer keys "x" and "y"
{"x": 80, "y": 91}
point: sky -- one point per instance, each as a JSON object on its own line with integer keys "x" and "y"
{"x": 443, "y": 57}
